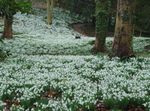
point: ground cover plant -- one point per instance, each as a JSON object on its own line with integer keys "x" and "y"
{"x": 48, "y": 69}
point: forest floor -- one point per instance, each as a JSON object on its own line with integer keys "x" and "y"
{"x": 49, "y": 69}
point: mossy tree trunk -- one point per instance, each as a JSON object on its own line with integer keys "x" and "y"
{"x": 8, "y": 33}
{"x": 101, "y": 24}
{"x": 50, "y": 5}
{"x": 122, "y": 45}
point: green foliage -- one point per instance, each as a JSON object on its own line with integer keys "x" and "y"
{"x": 8, "y": 95}
{"x": 124, "y": 103}
{"x": 28, "y": 103}
{"x": 3, "y": 55}
{"x": 85, "y": 8}
{"x": 9, "y": 7}
{"x": 143, "y": 15}
{"x": 102, "y": 7}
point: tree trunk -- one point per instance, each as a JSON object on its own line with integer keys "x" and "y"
{"x": 7, "y": 33}
{"x": 122, "y": 45}
{"x": 50, "y": 5}
{"x": 101, "y": 25}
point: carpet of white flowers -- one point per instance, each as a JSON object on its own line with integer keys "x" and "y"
{"x": 49, "y": 58}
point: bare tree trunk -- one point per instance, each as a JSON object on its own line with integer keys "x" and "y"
{"x": 101, "y": 25}
{"x": 7, "y": 33}
{"x": 50, "y": 5}
{"x": 122, "y": 45}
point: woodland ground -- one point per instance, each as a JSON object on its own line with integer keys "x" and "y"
{"x": 48, "y": 69}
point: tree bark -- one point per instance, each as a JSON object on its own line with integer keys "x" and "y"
{"x": 50, "y": 5}
{"x": 122, "y": 45}
{"x": 101, "y": 25}
{"x": 8, "y": 33}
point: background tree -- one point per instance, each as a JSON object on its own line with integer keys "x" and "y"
{"x": 102, "y": 17}
{"x": 122, "y": 46}
{"x": 50, "y": 5}
{"x": 7, "y": 9}
{"x": 142, "y": 17}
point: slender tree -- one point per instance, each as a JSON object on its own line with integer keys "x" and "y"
{"x": 50, "y": 5}
{"x": 102, "y": 12}
{"x": 122, "y": 45}
{"x": 7, "y": 9}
